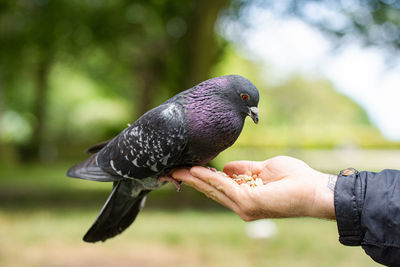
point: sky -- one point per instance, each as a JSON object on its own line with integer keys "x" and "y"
{"x": 288, "y": 46}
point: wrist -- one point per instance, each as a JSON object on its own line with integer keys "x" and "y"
{"x": 323, "y": 202}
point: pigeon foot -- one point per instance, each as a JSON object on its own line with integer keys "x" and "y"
{"x": 169, "y": 178}
{"x": 212, "y": 169}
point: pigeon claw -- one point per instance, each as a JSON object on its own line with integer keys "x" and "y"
{"x": 169, "y": 178}
{"x": 212, "y": 169}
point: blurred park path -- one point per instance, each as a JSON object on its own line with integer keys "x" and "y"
{"x": 328, "y": 160}
{"x": 361, "y": 159}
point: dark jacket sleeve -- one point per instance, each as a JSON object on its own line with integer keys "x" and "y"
{"x": 367, "y": 208}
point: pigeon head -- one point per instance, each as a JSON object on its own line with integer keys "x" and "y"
{"x": 242, "y": 94}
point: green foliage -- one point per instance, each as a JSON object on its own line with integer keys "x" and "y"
{"x": 125, "y": 53}
{"x": 76, "y": 72}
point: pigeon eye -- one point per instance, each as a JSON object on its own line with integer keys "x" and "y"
{"x": 244, "y": 96}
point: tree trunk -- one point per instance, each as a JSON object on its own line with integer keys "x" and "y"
{"x": 201, "y": 44}
{"x": 2, "y": 110}
{"x": 150, "y": 67}
{"x": 198, "y": 54}
{"x": 39, "y": 108}
{"x": 149, "y": 80}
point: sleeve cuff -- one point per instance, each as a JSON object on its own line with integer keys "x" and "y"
{"x": 347, "y": 208}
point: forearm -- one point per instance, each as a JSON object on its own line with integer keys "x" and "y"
{"x": 323, "y": 205}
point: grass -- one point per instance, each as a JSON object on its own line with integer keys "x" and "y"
{"x": 169, "y": 238}
{"x": 43, "y": 216}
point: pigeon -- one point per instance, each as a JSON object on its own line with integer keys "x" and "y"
{"x": 191, "y": 128}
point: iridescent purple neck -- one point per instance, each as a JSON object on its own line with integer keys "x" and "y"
{"x": 213, "y": 121}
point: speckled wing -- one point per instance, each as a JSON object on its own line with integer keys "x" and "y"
{"x": 148, "y": 147}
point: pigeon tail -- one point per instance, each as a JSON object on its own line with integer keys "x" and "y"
{"x": 118, "y": 213}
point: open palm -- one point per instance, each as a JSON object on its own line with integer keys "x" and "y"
{"x": 291, "y": 188}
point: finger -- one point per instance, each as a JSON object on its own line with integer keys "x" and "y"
{"x": 205, "y": 188}
{"x": 220, "y": 182}
{"x": 181, "y": 175}
{"x": 187, "y": 177}
{"x": 275, "y": 169}
{"x": 242, "y": 167}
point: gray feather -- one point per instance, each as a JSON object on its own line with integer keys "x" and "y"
{"x": 89, "y": 170}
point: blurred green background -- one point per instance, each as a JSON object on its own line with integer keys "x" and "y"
{"x": 74, "y": 73}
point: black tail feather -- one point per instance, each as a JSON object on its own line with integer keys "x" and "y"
{"x": 119, "y": 212}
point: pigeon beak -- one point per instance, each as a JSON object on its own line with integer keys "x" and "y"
{"x": 253, "y": 113}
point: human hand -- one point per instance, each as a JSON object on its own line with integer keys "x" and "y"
{"x": 291, "y": 188}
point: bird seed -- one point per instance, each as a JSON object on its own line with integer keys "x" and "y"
{"x": 252, "y": 181}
